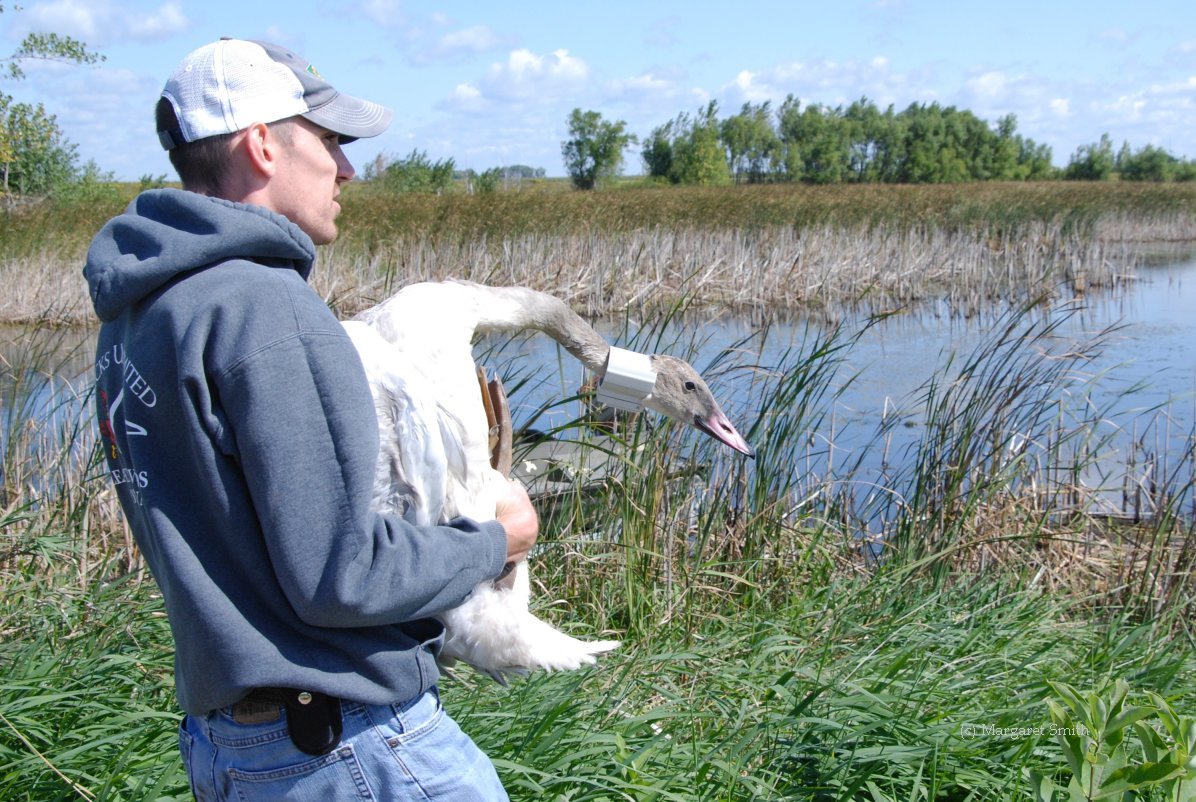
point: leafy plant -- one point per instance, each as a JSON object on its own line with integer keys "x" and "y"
{"x": 1177, "y": 748}
{"x": 1111, "y": 750}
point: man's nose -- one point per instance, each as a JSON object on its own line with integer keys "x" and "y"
{"x": 344, "y": 169}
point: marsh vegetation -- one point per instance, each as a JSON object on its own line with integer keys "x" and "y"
{"x": 794, "y": 628}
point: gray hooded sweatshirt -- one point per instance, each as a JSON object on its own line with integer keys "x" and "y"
{"x": 241, "y": 439}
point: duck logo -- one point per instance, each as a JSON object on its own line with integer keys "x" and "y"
{"x": 106, "y": 430}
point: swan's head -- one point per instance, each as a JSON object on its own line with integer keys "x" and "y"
{"x": 681, "y": 394}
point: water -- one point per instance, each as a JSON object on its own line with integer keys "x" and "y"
{"x": 1153, "y": 352}
{"x": 1143, "y": 381}
{"x": 1135, "y": 389}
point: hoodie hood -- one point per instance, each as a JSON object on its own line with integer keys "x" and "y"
{"x": 167, "y": 232}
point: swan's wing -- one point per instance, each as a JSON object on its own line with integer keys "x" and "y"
{"x": 420, "y": 448}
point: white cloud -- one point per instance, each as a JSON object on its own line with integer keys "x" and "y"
{"x": 454, "y": 46}
{"x": 386, "y": 13}
{"x": 527, "y": 76}
{"x": 68, "y": 17}
{"x": 988, "y": 85}
{"x": 99, "y": 22}
{"x": 1163, "y": 104}
{"x": 559, "y": 64}
{"x": 474, "y": 39}
{"x": 524, "y": 80}
{"x": 828, "y": 83}
{"x": 1126, "y": 108}
{"x": 165, "y": 21}
{"x": 647, "y": 84}
{"x": 1061, "y": 107}
{"x": 750, "y": 89}
{"x": 465, "y": 98}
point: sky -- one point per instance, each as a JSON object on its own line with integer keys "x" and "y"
{"x": 490, "y": 84}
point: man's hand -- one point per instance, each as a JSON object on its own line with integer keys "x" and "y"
{"x": 517, "y": 515}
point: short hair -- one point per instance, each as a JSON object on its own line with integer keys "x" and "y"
{"x": 203, "y": 165}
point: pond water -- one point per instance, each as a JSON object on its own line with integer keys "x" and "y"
{"x": 1151, "y": 350}
{"x": 1144, "y": 373}
{"x": 1134, "y": 388}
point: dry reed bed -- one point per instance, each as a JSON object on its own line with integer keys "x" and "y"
{"x": 760, "y": 248}
{"x": 775, "y": 270}
{"x": 772, "y": 270}
{"x": 43, "y": 290}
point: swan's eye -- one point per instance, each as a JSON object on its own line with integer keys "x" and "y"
{"x": 689, "y": 386}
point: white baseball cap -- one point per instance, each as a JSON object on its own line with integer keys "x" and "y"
{"x": 229, "y": 85}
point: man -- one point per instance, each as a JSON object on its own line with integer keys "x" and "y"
{"x": 241, "y": 438}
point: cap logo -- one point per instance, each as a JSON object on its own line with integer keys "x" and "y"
{"x": 312, "y": 69}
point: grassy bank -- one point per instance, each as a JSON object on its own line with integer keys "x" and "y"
{"x": 884, "y": 687}
{"x": 763, "y": 249}
{"x": 766, "y": 654}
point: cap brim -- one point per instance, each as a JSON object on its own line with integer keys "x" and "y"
{"x": 351, "y": 117}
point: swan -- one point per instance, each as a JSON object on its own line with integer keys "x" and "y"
{"x": 434, "y": 460}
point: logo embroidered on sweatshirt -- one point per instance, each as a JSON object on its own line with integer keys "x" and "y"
{"x": 133, "y": 387}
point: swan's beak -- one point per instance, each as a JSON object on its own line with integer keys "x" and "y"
{"x": 721, "y": 429}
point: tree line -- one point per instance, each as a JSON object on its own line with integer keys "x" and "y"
{"x": 416, "y": 172}
{"x": 859, "y": 143}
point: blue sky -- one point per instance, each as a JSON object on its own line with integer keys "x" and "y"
{"x": 493, "y": 83}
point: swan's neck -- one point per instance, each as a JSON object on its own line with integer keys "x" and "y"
{"x": 518, "y": 308}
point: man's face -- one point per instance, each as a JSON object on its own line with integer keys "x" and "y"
{"x": 308, "y": 182}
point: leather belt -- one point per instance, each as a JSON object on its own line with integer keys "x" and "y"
{"x": 313, "y": 718}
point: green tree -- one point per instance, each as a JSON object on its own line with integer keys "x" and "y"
{"x": 1150, "y": 164}
{"x": 657, "y": 152}
{"x": 868, "y": 142}
{"x": 1036, "y": 161}
{"x": 1092, "y": 162}
{"x": 817, "y": 142}
{"x": 34, "y": 155}
{"x": 593, "y": 153}
{"x": 937, "y": 147}
{"x": 752, "y": 143}
{"x": 788, "y": 118}
{"x": 35, "y": 158}
{"x": 417, "y": 173}
{"x": 688, "y": 150}
{"x": 1123, "y": 156}
{"x": 698, "y": 155}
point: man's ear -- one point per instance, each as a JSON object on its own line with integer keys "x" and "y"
{"x": 261, "y": 148}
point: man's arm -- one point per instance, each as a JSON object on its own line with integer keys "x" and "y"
{"x": 307, "y": 439}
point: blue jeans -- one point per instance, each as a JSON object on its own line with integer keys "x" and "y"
{"x": 387, "y": 752}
